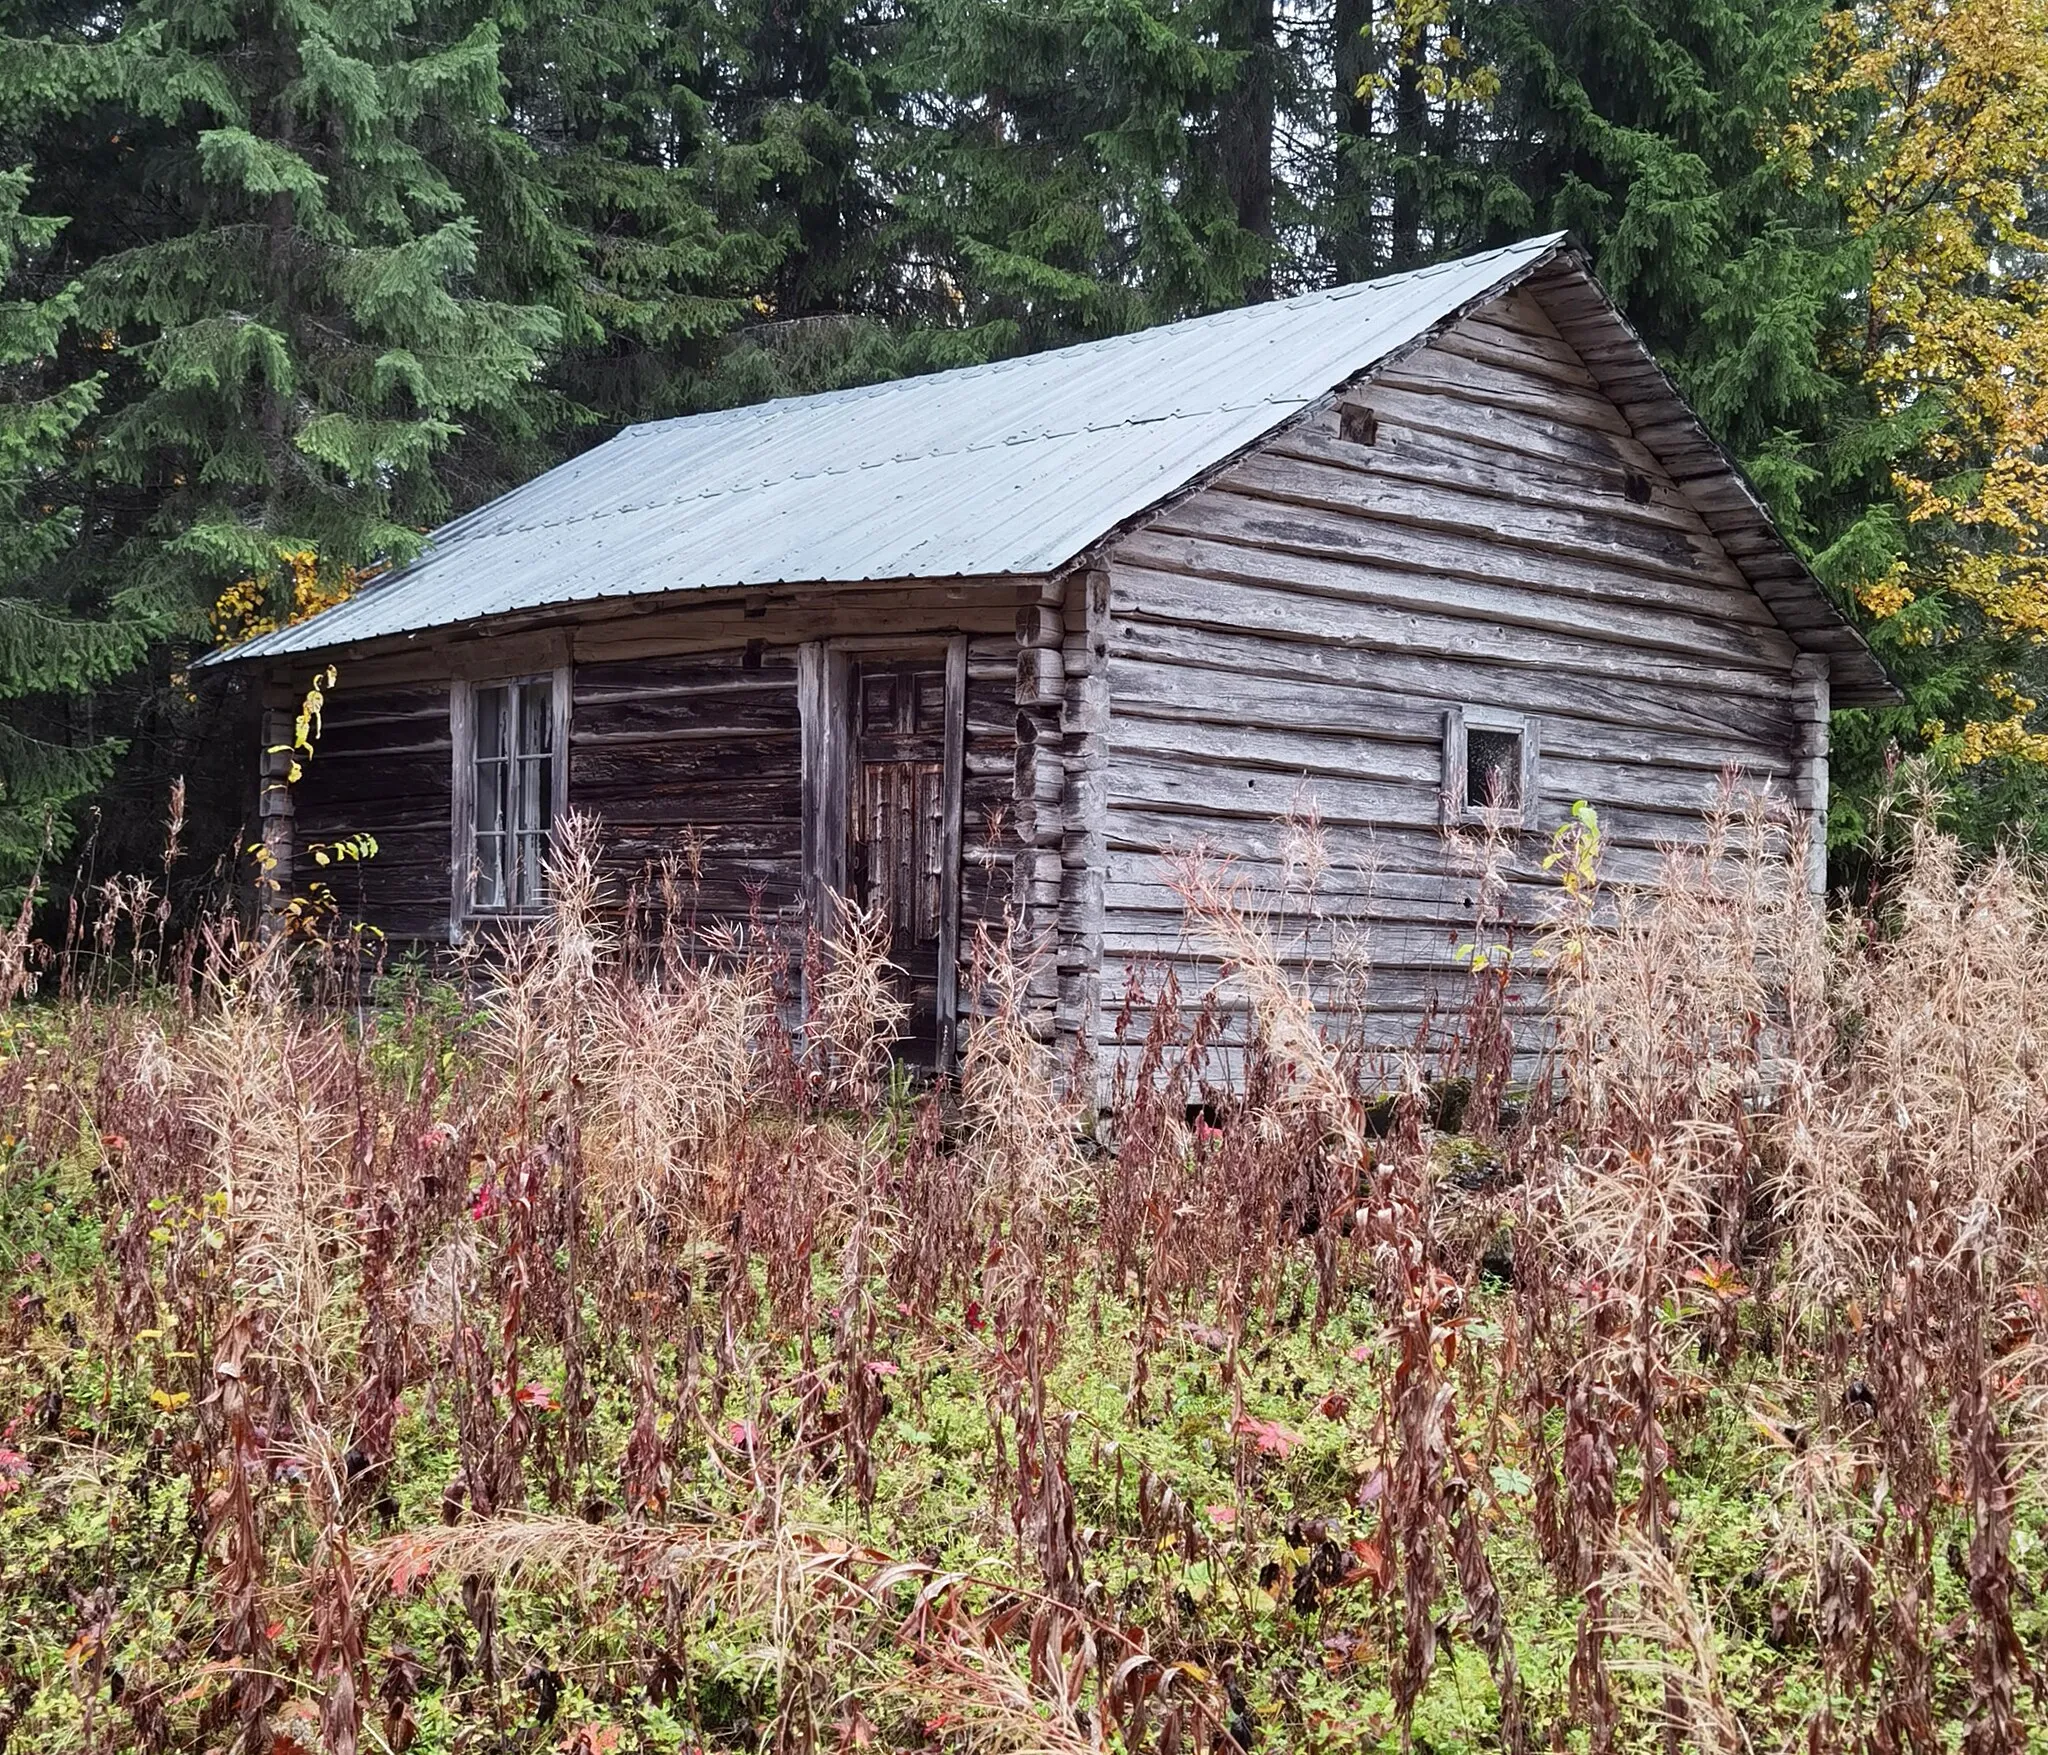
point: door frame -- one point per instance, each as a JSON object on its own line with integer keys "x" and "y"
{"x": 824, "y": 694}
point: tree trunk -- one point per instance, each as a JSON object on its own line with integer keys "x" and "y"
{"x": 1411, "y": 121}
{"x": 1248, "y": 125}
{"x": 1352, "y": 244}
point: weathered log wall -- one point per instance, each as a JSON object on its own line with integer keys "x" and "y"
{"x": 694, "y": 757}
{"x": 381, "y": 767}
{"x": 684, "y": 742}
{"x": 1477, "y": 526}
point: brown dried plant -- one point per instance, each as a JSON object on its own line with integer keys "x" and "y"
{"x": 666, "y": 1263}
{"x": 855, "y": 1009}
{"x": 1668, "y": 1642}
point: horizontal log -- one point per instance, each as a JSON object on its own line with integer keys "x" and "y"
{"x": 1526, "y": 436}
{"x": 366, "y": 787}
{"x": 1519, "y": 311}
{"x": 1485, "y": 552}
{"x": 1309, "y": 564}
{"x": 1429, "y": 460}
{"x": 1134, "y": 829}
{"x": 1322, "y": 675}
{"x": 1151, "y": 595}
{"x": 1435, "y": 372}
{"x": 755, "y": 765}
{"x": 1151, "y": 691}
{"x": 709, "y": 805}
{"x": 1544, "y": 365}
{"x": 1470, "y": 513}
{"x": 722, "y": 675}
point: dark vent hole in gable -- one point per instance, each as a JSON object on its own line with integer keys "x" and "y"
{"x": 751, "y": 658}
{"x": 1493, "y": 769}
{"x": 1636, "y": 485}
{"x": 1359, "y": 426}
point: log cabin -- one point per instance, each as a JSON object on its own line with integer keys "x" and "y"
{"x": 1000, "y": 645}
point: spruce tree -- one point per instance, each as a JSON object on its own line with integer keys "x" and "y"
{"x": 49, "y": 657}
{"x": 630, "y": 213}
{"x": 298, "y": 320}
{"x": 1411, "y": 147}
{"x": 1082, "y": 167}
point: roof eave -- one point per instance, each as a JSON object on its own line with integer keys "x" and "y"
{"x": 1708, "y": 474}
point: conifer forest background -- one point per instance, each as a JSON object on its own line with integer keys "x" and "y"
{"x": 287, "y": 284}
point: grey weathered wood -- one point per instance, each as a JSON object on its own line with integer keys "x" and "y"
{"x": 1521, "y": 435}
{"x": 822, "y": 674}
{"x": 951, "y": 795}
{"x": 674, "y": 623}
{"x": 1446, "y": 375}
{"x": 1550, "y": 365}
{"x": 1320, "y": 567}
{"x": 276, "y": 811}
{"x": 1085, "y": 721}
{"x": 1810, "y": 782}
{"x": 561, "y": 702}
{"x": 1653, "y": 547}
{"x": 1339, "y": 617}
{"x": 1653, "y": 704}
{"x": 1394, "y": 734}
{"x": 1629, "y": 373}
{"x": 462, "y": 807}
{"x": 1429, "y": 459}
{"x": 1489, "y": 554}
{"x": 1294, "y": 637}
{"x": 698, "y": 755}
{"x": 1519, "y": 311}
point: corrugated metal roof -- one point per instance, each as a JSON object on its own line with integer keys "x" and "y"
{"x": 1009, "y": 468}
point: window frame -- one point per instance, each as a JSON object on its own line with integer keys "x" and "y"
{"x": 464, "y": 911}
{"x": 1460, "y": 811}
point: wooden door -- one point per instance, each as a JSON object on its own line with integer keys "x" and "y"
{"x": 897, "y": 862}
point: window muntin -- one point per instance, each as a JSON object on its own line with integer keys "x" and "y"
{"x": 512, "y": 760}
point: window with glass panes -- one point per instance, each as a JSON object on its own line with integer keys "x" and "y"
{"x": 512, "y": 731}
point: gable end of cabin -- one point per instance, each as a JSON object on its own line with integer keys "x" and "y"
{"x": 1468, "y": 571}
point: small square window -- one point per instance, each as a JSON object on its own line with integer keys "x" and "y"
{"x": 1490, "y": 774}
{"x": 1493, "y": 768}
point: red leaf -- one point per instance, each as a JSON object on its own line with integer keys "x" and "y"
{"x": 1272, "y": 1438}
{"x": 1372, "y": 1563}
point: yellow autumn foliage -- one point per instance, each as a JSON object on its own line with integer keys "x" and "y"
{"x": 248, "y": 607}
{"x": 1928, "y": 119}
{"x": 1420, "y": 36}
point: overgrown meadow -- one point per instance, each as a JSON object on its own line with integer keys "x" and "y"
{"x": 594, "y": 1348}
